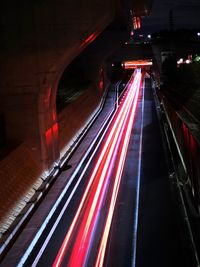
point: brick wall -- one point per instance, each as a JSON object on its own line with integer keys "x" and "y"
{"x": 18, "y": 172}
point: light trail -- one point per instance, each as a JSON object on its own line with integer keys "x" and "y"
{"x": 136, "y": 63}
{"x": 124, "y": 148}
{"x": 43, "y": 226}
{"x": 86, "y": 217}
{"x": 138, "y": 184}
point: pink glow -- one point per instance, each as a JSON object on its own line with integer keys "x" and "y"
{"x": 48, "y": 135}
{"x": 55, "y": 130}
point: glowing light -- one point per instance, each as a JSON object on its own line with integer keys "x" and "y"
{"x": 48, "y": 135}
{"x": 197, "y": 58}
{"x": 126, "y": 138}
{"x": 180, "y": 61}
{"x": 88, "y": 40}
{"x": 101, "y": 84}
{"x": 132, "y": 64}
{"x": 86, "y": 217}
{"x": 136, "y": 23}
{"x": 55, "y": 130}
{"x": 54, "y": 115}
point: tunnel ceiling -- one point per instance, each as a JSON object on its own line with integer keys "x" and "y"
{"x": 39, "y": 39}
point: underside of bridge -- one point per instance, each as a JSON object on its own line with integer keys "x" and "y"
{"x": 54, "y": 71}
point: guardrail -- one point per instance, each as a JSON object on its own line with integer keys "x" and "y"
{"x": 188, "y": 147}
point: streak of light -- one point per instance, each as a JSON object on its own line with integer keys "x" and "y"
{"x": 138, "y": 184}
{"x": 136, "y": 23}
{"x": 89, "y": 40}
{"x": 85, "y": 235}
{"x": 127, "y": 134}
{"x": 94, "y": 194}
{"x": 136, "y": 63}
{"x": 45, "y": 223}
{"x": 100, "y": 169}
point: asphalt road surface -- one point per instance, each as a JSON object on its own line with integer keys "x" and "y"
{"x": 118, "y": 209}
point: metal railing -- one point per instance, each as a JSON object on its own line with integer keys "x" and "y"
{"x": 188, "y": 146}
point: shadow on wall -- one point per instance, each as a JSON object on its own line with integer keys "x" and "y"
{"x": 72, "y": 84}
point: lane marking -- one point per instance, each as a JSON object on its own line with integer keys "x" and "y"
{"x": 130, "y": 120}
{"x": 43, "y": 226}
{"x": 138, "y": 183}
{"x": 121, "y": 113}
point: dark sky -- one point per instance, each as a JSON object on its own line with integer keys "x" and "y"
{"x": 186, "y": 14}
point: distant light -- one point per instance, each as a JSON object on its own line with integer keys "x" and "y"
{"x": 149, "y": 36}
{"x": 132, "y": 64}
{"x": 198, "y": 33}
{"x": 136, "y": 23}
{"x": 180, "y": 61}
{"x": 132, "y": 33}
{"x": 188, "y": 61}
{"x": 197, "y": 58}
{"x": 113, "y": 65}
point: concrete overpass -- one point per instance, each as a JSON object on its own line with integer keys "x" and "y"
{"x": 39, "y": 40}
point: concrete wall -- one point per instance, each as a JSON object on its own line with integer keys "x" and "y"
{"x": 38, "y": 41}
{"x": 18, "y": 173}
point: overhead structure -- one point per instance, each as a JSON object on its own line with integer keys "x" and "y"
{"x": 39, "y": 39}
{"x": 135, "y": 10}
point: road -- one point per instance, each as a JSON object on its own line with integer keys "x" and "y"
{"x": 79, "y": 232}
{"x": 116, "y": 209}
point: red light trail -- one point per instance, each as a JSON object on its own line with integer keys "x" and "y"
{"x": 88, "y": 40}
{"x": 136, "y": 23}
{"x": 107, "y": 172}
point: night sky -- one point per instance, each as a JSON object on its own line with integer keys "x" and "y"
{"x": 186, "y": 14}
